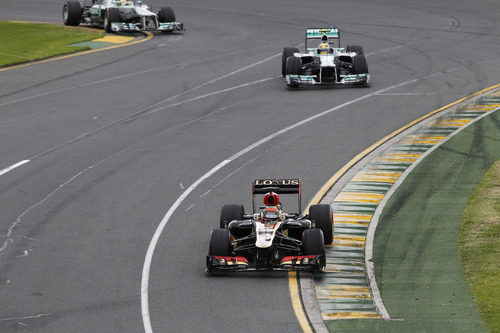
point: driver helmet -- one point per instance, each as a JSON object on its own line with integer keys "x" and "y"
{"x": 271, "y": 199}
{"x": 324, "y": 46}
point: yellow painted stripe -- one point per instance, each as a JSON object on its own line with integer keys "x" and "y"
{"x": 350, "y": 315}
{"x": 359, "y": 197}
{"x": 346, "y": 287}
{"x": 349, "y": 244}
{"x": 415, "y": 141}
{"x": 114, "y": 39}
{"x": 293, "y": 284}
{"x": 399, "y": 160}
{"x": 455, "y": 122}
{"x": 350, "y": 238}
{"x": 349, "y": 217}
{"x": 483, "y": 105}
{"x": 362, "y": 177}
{"x": 353, "y": 296}
{"x": 413, "y": 155}
{"x": 354, "y": 223}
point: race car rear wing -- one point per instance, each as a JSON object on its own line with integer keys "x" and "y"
{"x": 318, "y": 33}
{"x": 280, "y": 186}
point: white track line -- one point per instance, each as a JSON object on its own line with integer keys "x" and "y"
{"x": 154, "y": 241}
{"x": 12, "y": 167}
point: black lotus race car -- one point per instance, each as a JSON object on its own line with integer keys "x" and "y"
{"x": 269, "y": 238}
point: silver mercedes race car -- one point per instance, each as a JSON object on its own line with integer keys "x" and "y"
{"x": 119, "y": 15}
{"x": 327, "y": 63}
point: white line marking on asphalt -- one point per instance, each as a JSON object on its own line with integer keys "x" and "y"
{"x": 154, "y": 241}
{"x": 229, "y": 176}
{"x": 407, "y": 94}
{"x": 12, "y": 167}
{"x": 27, "y": 317}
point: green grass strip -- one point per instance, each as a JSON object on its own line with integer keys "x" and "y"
{"x": 23, "y": 42}
{"x": 480, "y": 246}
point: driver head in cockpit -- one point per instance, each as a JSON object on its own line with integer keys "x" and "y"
{"x": 324, "y": 47}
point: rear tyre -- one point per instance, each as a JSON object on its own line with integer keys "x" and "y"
{"x": 112, "y": 16}
{"x": 166, "y": 14}
{"x": 322, "y": 216}
{"x": 231, "y": 212}
{"x": 359, "y": 64}
{"x": 355, "y": 48}
{"x": 287, "y": 52}
{"x": 312, "y": 243}
{"x": 72, "y": 13}
{"x": 220, "y": 243}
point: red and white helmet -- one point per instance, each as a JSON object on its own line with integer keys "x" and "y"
{"x": 271, "y": 199}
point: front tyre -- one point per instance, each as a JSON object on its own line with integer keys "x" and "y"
{"x": 72, "y": 13}
{"x": 220, "y": 243}
{"x": 287, "y": 52}
{"x": 166, "y": 14}
{"x": 322, "y": 217}
{"x": 359, "y": 64}
{"x": 112, "y": 16}
{"x": 312, "y": 244}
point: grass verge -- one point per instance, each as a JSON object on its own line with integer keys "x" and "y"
{"x": 480, "y": 246}
{"x": 23, "y": 42}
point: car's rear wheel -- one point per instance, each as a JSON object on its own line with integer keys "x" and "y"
{"x": 355, "y": 48}
{"x": 166, "y": 14}
{"x": 112, "y": 16}
{"x": 231, "y": 212}
{"x": 287, "y": 52}
{"x": 312, "y": 244}
{"x": 72, "y": 13}
{"x": 322, "y": 217}
{"x": 359, "y": 64}
{"x": 220, "y": 243}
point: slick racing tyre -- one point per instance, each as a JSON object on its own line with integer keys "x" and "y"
{"x": 321, "y": 215}
{"x": 355, "y": 48}
{"x": 293, "y": 65}
{"x": 72, "y": 13}
{"x": 166, "y": 14}
{"x": 312, "y": 243}
{"x": 112, "y": 16}
{"x": 287, "y": 52}
{"x": 220, "y": 243}
{"x": 231, "y": 212}
{"x": 359, "y": 64}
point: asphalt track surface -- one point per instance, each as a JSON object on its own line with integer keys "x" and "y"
{"x": 114, "y": 138}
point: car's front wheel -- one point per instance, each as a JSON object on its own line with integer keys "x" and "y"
{"x": 287, "y": 52}
{"x": 220, "y": 243}
{"x": 166, "y": 14}
{"x": 112, "y": 16}
{"x": 322, "y": 217}
{"x": 312, "y": 244}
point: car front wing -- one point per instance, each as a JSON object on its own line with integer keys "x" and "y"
{"x": 288, "y": 263}
{"x": 296, "y": 80}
